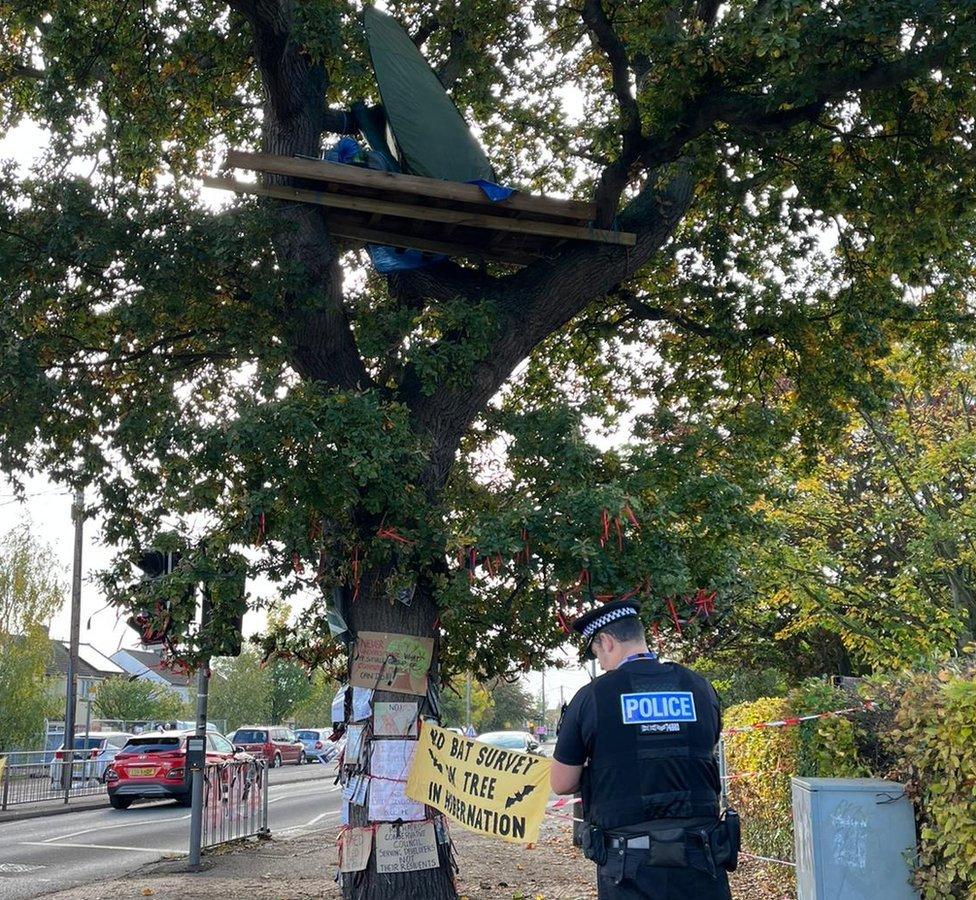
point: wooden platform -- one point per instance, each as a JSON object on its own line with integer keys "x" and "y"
{"x": 422, "y": 213}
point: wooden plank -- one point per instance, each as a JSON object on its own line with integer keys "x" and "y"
{"x": 426, "y": 214}
{"x": 354, "y": 176}
{"x": 356, "y": 231}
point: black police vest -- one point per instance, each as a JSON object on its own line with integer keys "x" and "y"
{"x": 643, "y": 772}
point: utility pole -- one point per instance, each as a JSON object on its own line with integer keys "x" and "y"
{"x": 71, "y": 700}
{"x": 543, "y": 698}
{"x": 200, "y": 738}
{"x": 467, "y": 705}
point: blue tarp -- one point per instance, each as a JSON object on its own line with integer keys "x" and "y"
{"x": 392, "y": 259}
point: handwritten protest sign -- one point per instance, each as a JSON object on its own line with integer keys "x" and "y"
{"x": 495, "y": 792}
{"x": 406, "y": 848}
{"x": 392, "y": 719}
{"x": 355, "y": 845}
{"x": 389, "y": 764}
{"x": 391, "y": 662}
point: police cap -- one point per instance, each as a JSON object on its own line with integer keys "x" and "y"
{"x": 589, "y": 624}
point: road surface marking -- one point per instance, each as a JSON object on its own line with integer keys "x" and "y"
{"x": 321, "y": 816}
{"x": 103, "y": 847}
{"x": 133, "y": 824}
{"x": 15, "y": 868}
{"x": 298, "y": 794}
{"x": 318, "y": 818}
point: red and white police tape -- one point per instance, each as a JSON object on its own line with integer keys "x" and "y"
{"x": 796, "y": 720}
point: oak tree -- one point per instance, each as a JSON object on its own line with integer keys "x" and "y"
{"x": 417, "y": 451}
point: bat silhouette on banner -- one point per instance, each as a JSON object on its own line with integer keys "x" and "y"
{"x": 519, "y": 795}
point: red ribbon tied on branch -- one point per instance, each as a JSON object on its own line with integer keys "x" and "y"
{"x": 389, "y": 533}
{"x": 704, "y": 603}
{"x": 674, "y": 616}
{"x": 354, "y": 567}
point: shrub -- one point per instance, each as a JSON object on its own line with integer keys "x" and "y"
{"x": 762, "y": 762}
{"x": 922, "y": 733}
{"x": 933, "y": 742}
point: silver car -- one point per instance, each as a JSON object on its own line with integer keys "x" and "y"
{"x": 92, "y": 755}
{"x": 318, "y": 747}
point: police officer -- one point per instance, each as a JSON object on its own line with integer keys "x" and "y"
{"x": 639, "y": 744}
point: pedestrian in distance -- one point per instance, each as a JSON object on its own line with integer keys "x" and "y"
{"x": 639, "y": 744}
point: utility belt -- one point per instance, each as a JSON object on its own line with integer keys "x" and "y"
{"x": 708, "y": 847}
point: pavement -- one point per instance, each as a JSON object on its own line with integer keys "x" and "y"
{"x": 42, "y": 854}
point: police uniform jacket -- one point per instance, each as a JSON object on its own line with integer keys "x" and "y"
{"x": 646, "y": 733}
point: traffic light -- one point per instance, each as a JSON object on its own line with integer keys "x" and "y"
{"x": 224, "y": 581}
{"x": 153, "y": 621}
{"x": 226, "y": 593}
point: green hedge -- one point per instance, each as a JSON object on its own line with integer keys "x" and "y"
{"x": 922, "y": 734}
{"x": 763, "y": 761}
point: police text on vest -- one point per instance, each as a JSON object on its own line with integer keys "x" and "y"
{"x": 658, "y": 706}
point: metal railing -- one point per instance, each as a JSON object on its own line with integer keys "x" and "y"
{"x": 38, "y": 776}
{"x": 235, "y": 801}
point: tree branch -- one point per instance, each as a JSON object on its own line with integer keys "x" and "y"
{"x": 316, "y": 326}
{"x": 614, "y": 177}
{"x": 758, "y": 114}
{"x": 18, "y": 71}
{"x": 531, "y": 305}
{"x": 449, "y": 71}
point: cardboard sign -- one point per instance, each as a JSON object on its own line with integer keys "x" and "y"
{"x": 355, "y": 845}
{"x": 495, "y": 792}
{"x": 394, "y": 719}
{"x": 389, "y": 765}
{"x": 406, "y": 848}
{"x": 391, "y": 662}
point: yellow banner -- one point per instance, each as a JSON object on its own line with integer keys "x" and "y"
{"x": 495, "y": 792}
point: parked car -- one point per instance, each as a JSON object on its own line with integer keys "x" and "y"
{"x": 511, "y": 740}
{"x": 152, "y": 766}
{"x": 318, "y": 744}
{"x": 276, "y": 744}
{"x": 93, "y": 755}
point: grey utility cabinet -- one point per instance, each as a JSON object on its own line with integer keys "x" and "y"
{"x": 854, "y": 839}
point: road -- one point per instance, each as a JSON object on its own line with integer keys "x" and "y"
{"x": 43, "y": 855}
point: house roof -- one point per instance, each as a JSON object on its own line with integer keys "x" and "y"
{"x": 153, "y": 662}
{"x": 91, "y": 663}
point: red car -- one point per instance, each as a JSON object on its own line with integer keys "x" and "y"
{"x": 153, "y": 766}
{"x": 276, "y": 744}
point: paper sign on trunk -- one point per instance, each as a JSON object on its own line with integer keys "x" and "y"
{"x": 354, "y": 744}
{"x": 389, "y": 765}
{"x": 406, "y": 848}
{"x": 391, "y": 662}
{"x": 354, "y": 849}
{"x": 395, "y": 719}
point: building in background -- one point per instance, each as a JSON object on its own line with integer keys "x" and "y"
{"x": 93, "y": 667}
{"x": 146, "y": 665}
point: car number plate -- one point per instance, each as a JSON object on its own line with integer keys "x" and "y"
{"x": 144, "y": 772}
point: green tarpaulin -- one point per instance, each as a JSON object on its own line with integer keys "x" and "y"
{"x": 433, "y": 138}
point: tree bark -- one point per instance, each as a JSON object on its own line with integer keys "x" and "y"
{"x": 375, "y": 612}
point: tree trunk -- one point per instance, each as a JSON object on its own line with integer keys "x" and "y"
{"x": 376, "y": 612}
